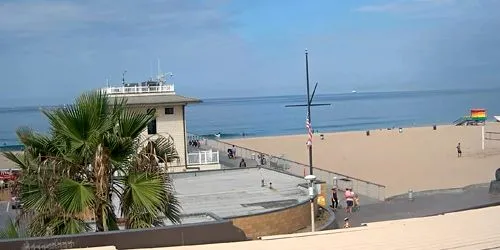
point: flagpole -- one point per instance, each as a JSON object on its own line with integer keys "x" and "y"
{"x": 309, "y": 115}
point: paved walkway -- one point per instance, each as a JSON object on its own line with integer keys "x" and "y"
{"x": 424, "y": 204}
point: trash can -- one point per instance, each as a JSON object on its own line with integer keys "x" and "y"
{"x": 367, "y": 132}
{"x": 434, "y": 127}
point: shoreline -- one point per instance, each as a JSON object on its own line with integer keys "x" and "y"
{"x": 252, "y": 136}
{"x": 343, "y": 131}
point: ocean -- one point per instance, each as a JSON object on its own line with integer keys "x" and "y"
{"x": 265, "y": 116}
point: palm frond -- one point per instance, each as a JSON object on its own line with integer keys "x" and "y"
{"x": 172, "y": 208}
{"x": 82, "y": 124}
{"x": 36, "y": 144}
{"x": 19, "y": 159}
{"x": 75, "y": 197}
{"x": 143, "y": 193}
{"x": 120, "y": 149}
{"x": 141, "y": 219}
{"x": 132, "y": 123}
{"x": 165, "y": 148}
{"x": 67, "y": 225}
{"x": 10, "y": 231}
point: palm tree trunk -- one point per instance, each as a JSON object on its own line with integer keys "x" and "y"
{"x": 102, "y": 180}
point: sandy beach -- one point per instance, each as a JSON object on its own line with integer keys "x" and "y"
{"x": 5, "y": 163}
{"x": 418, "y": 158}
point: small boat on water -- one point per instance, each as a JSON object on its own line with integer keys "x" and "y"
{"x": 497, "y": 118}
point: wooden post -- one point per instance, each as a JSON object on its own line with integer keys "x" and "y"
{"x": 482, "y": 137}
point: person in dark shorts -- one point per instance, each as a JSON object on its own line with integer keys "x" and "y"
{"x": 349, "y": 198}
{"x": 335, "y": 199}
{"x": 459, "y": 150}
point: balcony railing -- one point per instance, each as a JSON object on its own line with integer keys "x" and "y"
{"x": 203, "y": 157}
{"x": 140, "y": 90}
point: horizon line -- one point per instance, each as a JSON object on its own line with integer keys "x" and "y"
{"x": 285, "y": 95}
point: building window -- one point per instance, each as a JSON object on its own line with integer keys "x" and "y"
{"x": 152, "y": 124}
{"x": 152, "y": 127}
{"x": 169, "y": 111}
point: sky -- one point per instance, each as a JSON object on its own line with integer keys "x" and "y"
{"x": 51, "y": 51}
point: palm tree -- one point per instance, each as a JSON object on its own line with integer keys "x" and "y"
{"x": 95, "y": 152}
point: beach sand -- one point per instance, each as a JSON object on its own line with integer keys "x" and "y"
{"x": 419, "y": 158}
{"x": 5, "y": 163}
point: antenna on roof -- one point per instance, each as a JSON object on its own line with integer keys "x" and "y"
{"x": 159, "y": 71}
{"x": 150, "y": 70}
{"x": 123, "y": 77}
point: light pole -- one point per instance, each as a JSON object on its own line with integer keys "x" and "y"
{"x": 312, "y": 193}
{"x": 309, "y": 104}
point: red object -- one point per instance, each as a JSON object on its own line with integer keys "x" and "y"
{"x": 7, "y": 176}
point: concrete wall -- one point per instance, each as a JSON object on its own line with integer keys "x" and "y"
{"x": 178, "y": 235}
{"x": 194, "y": 168}
{"x": 204, "y": 167}
{"x": 283, "y": 221}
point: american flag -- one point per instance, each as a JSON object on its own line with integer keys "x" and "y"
{"x": 309, "y": 132}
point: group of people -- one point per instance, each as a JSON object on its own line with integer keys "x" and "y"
{"x": 351, "y": 198}
{"x": 231, "y": 152}
{"x": 194, "y": 143}
{"x": 352, "y": 201}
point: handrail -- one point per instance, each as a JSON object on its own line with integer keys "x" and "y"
{"x": 140, "y": 89}
{"x": 298, "y": 163}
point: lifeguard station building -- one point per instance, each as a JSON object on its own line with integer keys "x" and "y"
{"x": 158, "y": 96}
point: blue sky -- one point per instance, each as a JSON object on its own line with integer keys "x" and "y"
{"x": 50, "y": 51}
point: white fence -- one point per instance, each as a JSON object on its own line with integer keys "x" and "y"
{"x": 140, "y": 89}
{"x": 203, "y": 157}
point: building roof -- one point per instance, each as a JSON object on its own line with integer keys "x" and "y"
{"x": 473, "y": 229}
{"x": 237, "y": 192}
{"x": 170, "y": 99}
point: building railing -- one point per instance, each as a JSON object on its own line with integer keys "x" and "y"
{"x": 140, "y": 89}
{"x": 362, "y": 187}
{"x": 203, "y": 157}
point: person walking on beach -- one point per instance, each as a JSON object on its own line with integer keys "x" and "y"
{"x": 243, "y": 164}
{"x": 349, "y": 198}
{"x": 335, "y": 199}
{"x": 459, "y": 150}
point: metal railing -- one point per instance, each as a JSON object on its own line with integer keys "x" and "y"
{"x": 203, "y": 158}
{"x": 362, "y": 187}
{"x": 140, "y": 89}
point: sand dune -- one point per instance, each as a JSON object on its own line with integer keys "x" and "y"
{"x": 419, "y": 158}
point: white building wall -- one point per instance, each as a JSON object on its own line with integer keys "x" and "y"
{"x": 173, "y": 125}
{"x": 170, "y": 124}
